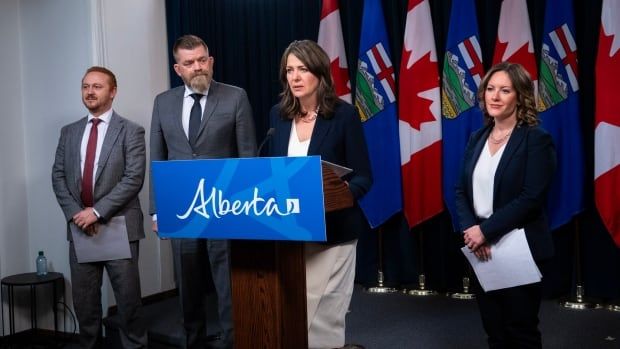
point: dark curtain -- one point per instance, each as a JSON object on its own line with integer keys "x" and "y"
{"x": 247, "y": 38}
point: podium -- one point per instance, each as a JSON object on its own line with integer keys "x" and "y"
{"x": 269, "y": 294}
{"x": 267, "y": 253}
{"x": 269, "y": 283}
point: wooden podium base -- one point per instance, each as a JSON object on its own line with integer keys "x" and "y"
{"x": 269, "y": 294}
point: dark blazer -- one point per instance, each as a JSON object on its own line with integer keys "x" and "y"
{"x": 226, "y": 130}
{"x": 520, "y": 189}
{"x": 340, "y": 140}
{"x": 119, "y": 175}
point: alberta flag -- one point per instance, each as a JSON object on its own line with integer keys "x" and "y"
{"x": 558, "y": 104}
{"x": 462, "y": 73}
{"x": 375, "y": 101}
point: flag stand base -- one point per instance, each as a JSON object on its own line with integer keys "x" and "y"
{"x": 579, "y": 302}
{"x": 421, "y": 290}
{"x": 613, "y": 307}
{"x": 462, "y": 295}
{"x": 380, "y": 287}
{"x": 465, "y": 294}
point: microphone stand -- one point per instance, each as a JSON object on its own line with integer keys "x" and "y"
{"x": 270, "y": 133}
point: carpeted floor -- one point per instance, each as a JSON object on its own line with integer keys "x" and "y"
{"x": 399, "y": 321}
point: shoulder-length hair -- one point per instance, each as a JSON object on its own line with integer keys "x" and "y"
{"x": 317, "y": 62}
{"x": 523, "y": 86}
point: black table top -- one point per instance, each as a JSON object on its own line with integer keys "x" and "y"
{"x": 27, "y": 279}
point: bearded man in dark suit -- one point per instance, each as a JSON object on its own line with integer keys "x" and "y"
{"x": 203, "y": 119}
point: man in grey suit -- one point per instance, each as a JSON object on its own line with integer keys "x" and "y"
{"x": 97, "y": 175}
{"x": 203, "y": 119}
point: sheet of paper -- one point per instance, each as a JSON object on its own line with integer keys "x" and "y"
{"x": 511, "y": 263}
{"x": 340, "y": 171}
{"x": 109, "y": 243}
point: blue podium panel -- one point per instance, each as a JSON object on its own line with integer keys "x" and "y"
{"x": 278, "y": 198}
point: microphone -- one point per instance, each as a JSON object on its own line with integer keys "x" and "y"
{"x": 270, "y": 133}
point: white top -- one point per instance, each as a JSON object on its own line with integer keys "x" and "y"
{"x": 102, "y": 128}
{"x": 295, "y": 147}
{"x": 483, "y": 180}
{"x": 188, "y": 103}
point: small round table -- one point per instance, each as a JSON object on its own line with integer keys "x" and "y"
{"x": 33, "y": 281}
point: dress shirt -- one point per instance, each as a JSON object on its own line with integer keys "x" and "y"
{"x": 102, "y": 128}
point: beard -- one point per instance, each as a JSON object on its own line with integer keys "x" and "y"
{"x": 200, "y": 83}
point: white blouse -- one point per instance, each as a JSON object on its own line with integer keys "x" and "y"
{"x": 483, "y": 180}
{"x": 295, "y": 147}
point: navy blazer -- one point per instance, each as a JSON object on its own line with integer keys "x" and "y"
{"x": 522, "y": 180}
{"x": 339, "y": 139}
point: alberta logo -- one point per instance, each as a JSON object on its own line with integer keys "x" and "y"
{"x": 216, "y": 205}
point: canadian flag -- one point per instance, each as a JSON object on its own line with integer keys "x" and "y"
{"x": 420, "y": 117}
{"x": 514, "y": 38}
{"x": 607, "y": 120}
{"x": 330, "y": 39}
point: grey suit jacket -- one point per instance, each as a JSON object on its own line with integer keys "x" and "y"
{"x": 118, "y": 178}
{"x": 226, "y": 130}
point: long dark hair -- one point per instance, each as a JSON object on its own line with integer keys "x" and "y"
{"x": 317, "y": 62}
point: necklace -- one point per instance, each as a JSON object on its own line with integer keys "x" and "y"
{"x": 310, "y": 117}
{"x": 499, "y": 140}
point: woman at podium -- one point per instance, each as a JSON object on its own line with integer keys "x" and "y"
{"x": 311, "y": 120}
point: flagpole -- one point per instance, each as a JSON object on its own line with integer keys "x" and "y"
{"x": 421, "y": 290}
{"x": 578, "y": 301}
{"x": 380, "y": 287}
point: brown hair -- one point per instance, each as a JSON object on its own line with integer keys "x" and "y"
{"x": 523, "y": 85}
{"x": 317, "y": 62}
{"x": 102, "y": 70}
{"x": 187, "y": 42}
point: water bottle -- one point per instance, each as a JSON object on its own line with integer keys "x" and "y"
{"x": 41, "y": 264}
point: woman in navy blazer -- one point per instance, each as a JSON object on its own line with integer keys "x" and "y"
{"x": 507, "y": 170}
{"x": 311, "y": 120}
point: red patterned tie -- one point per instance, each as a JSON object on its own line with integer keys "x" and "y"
{"x": 89, "y": 164}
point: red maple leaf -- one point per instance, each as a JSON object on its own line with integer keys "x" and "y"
{"x": 341, "y": 78}
{"x": 422, "y": 76}
{"x": 521, "y": 56}
{"x": 412, "y": 4}
{"x": 607, "y": 72}
{"x": 328, "y": 7}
